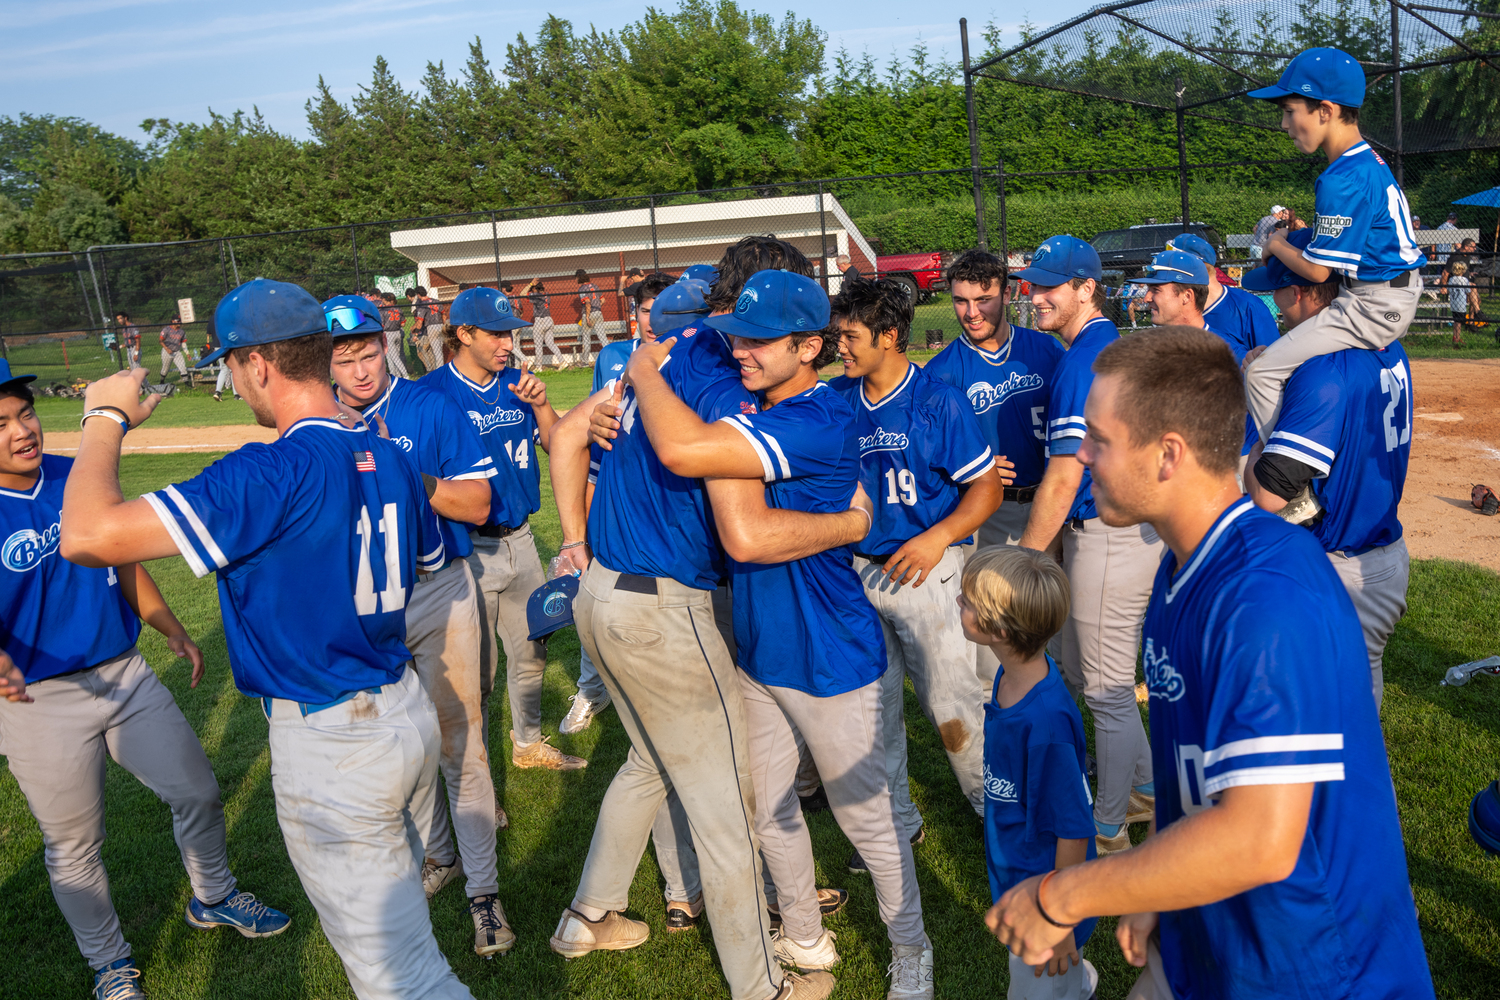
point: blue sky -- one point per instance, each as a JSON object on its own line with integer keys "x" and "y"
{"x": 117, "y": 62}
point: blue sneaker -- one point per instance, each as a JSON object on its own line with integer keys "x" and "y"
{"x": 241, "y": 911}
{"x": 117, "y": 981}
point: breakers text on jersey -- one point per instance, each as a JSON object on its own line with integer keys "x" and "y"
{"x": 882, "y": 440}
{"x": 487, "y": 422}
{"x": 25, "y": 549}
{"x": 1162, "y": 679}
{"x": 985, "y": 396}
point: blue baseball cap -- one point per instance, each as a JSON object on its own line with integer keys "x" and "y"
{"x": 7, "y": 379}
{"x": 678, "y": 305}
{"x": 262, "y": 311}
{"x": 700, "y": 272}
{"x": 774, "y": 304}
{"x": 1174, "y": 265}
{"x": 348, "y": 314}
{"x": 1195, "y": 245}
{"x": 550, "y": 607}
{"x": 1059, "y": 260}
{"x": 1321, "y": 74}
{"x": 485, "y": 308}
{"x": 1275, "y": 274}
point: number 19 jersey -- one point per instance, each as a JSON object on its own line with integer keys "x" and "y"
{"x": 316, "y": 540}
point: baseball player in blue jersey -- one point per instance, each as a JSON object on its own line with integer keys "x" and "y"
{"x": 1278, "y": 868}
{"x": 1233, "y": 313}
{"x": 656, "y": 564}
{"x": 317, "y": 540}
{"x": 442, "y": 618}
{"x": 809, "y": 643}
{"x": 509, "y": 407}
{"x": 1345, "y": 428}
{"x": 73, "y": 688}
{"x": 1364, "y": 233}
{"x": 1177, "y": 289}
{"x": 930, "y": 471}
{"x": 1109, "y": 567}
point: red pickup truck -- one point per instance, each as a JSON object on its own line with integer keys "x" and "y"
{"x": 921, "y": 273}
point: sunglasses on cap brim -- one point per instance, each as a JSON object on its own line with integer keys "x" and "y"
{"x": 347, "y": 317}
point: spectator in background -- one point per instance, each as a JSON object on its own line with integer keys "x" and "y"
{"x": 390, "y": 320}
{"x": 426, "y": 328}
{"x": 130, "y": 340}
{"x": 173, "y": 349}
{"x": 1463, "y": 299}
{"x": 844, "y": 268}
{"x": 1135, "y": 297}
{"x": 590, "y": 312}
{"x": 1444, "y": 249}
{"x": 541, "y": 323}
{"x": 1465, "y": 255}
{"x": 627, "y": 286}
{"x": 1263, "y": 230}
{"x": 1416, "y": 222}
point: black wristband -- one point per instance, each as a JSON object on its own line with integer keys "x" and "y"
{"x": 1041, "y": 909}
{"x": 429, "y": 483}
{"x": 115, "y": 409}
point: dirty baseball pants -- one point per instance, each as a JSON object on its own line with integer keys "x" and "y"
{"x": 1376, "y": 581}
{"x": 659, "y": 652}
{"x": 348, "y": 781}
{"x": 1110, "y": 572}
{"x": 845, "y": 735}
{"x": 1364, "y": 314}
{"x": 442, "y": 632}
{"x": 170, "y": 358}
{"x": 506, "y": 571}
{"x": 924, "y": 640}
{"x": 56, "y": 748}
{"x": 1004, "y": 527}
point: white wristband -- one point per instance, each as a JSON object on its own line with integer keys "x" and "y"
{"x": 110, "y": 414}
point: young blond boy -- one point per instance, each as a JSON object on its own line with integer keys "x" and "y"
{"x": 1038, "y": 809}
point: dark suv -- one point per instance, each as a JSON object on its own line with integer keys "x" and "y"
{"x": 1129, "y": 250}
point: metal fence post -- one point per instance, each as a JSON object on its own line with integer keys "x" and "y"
{"x": 234, "y": 264}
{"x": 354, "y": 242}
{"x": 1396, "y": 88}
{"x": 224, "y": 268}
{"x": 1004, "y": 233}
{"x": 655, "y": 258}
{"x": 495, "y": 238}
{"x": 822, "y": 239}
{"x": 979, "y": 228}
{"x": 1182, "y": 175}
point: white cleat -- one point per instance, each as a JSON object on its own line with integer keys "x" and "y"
{"x": 911, "y": 972}
{"x": 819, "y": 956}
{"x": 581, "y": 715}
{"x": 1301, "y": 508}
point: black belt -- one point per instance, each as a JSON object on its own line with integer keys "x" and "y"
{"x": 877, "y": 560}
{"x": 498, "y": 530}
{"x": 1020, "y": 494}
{"x": 1399, "y": 281}
{"x": 634, "y": 584}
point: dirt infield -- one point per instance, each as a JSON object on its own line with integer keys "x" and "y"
{"x": 1455, "y": 442}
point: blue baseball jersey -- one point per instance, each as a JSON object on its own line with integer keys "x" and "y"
{"x": 917, "y": 446}
{"x": 437, "y": 435}
{"x": 1242, "y": 320}
{"x": 1348, "y": 415}
{"x": 1008, "y": 390}
{"x": 609, "y": 366}
{"x": 1364, "y": 222}
{"x": 645, "y": 519}
{"x": 1036, "y": 786}
{"x": 806, "y": 624}
{"x": 55, "y": 616}
{"x": 507, "y": 427}
{"x": 1070, "y": 389}
{"x": 316, "y": 539}
{"x": 1258, "y": 675}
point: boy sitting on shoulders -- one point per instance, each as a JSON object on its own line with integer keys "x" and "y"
{"x": 1038, "y": 810}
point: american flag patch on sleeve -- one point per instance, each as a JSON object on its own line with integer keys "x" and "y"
{"x": 364, "y": 461}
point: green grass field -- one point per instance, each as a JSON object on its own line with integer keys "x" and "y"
{"x": 1444, "y": 745}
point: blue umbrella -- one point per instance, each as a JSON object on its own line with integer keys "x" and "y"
{"x": 1487, "y": 199}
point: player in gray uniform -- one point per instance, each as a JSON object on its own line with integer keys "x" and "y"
{"x": 932, "y": 475}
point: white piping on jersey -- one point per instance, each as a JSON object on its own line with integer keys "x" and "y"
{"x": 997, "y": 358}
{"x": 1235, "y": 511}
{"x": 1357, "y": 148}
{"x": 41, "y": 477}
{"x": 486, "y": 474}
{"x": 360, "y": 427}
{"x": 1085, "y": 327}
{"x": 1274, "y": 744}
{"x": 433, "y": 560}
{"x": 1281, "y": 774}
{"x": 1309, "y": 457}
{"x": 985, "y": 463}
{"x": 199, "y": 528}
{"x": 169, "y": 521}
{"x": 1325, "y": 252}
{"x": 742, "y": 425}
{"x": 911, "y": 373}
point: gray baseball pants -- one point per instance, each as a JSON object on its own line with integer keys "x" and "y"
{"x": 170, "y": 358}
{"x": 56, "y": 748}
{"x": 844, "y": 733}
{"x": 677, "y": 694}
{"x": 1376, "y": 581}
{"x": 1004, "y": 527}
{"x": 506, "y": 571}
{"x": 1110, "y": 572}
{"x": 924, "y": 639}
{"x": 588, "y": 329}
{"x": 1368, "y": 314}
{"x": 1025, "y": 984}
{"x": 394, "y": 362}
{"x": 542, "y": 340}
{"x": 349, "y": 782}
{"x": 442, "y": 631}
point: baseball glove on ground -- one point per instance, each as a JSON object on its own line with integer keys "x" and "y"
{"x": 1482, "y": 497}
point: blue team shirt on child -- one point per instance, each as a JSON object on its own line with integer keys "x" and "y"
{"x": 507, "y": 426}
{"x": 1070, "y": 389}
{"x": 1364, "y": 222}
{"x": 806, "y": 624}
{"x": 1242, "y": 320}
{"x": 917, "y": 446}
{"x": 1257, "y": 672}
{"x": 437, "y": 435}
{"x": 645, "y": 519}
{"x": 55, "y": 616}
{"x": 1348, "y": 415}
{"x": 316, "y": 539}
{"x": 1008, "y": 390}
{"x": 1036, "y": 786}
